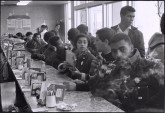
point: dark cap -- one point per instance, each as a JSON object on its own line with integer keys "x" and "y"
{"x": 156, "y": 39}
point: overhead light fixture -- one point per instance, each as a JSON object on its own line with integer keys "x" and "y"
{"x": 2, "y": 2}
{"x": 23, "y": 2}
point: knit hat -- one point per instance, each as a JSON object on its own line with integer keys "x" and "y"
{"x": 155, "y": 40}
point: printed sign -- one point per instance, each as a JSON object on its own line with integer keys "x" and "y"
{"x": 36, "y": 88}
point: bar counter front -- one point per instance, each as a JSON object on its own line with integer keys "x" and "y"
{"x": 82, "y": 101}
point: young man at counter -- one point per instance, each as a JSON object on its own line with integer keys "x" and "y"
{"x": 35, "y": 44}
{"x": 156, "y": 47}
{"x": 72, "y": 34}
{"x": 156, "y": 43}
{"x": 28, "y": 37}
{"x": 53, "y": 53}
{"x": 134, "y": 83}
{"x": 103, "y": 37}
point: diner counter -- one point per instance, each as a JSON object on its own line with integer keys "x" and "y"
{"x": 84, "y": 100}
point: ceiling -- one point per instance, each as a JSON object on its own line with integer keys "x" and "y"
{"x": 3, "y": 2}
{"x": 8, "y": 3}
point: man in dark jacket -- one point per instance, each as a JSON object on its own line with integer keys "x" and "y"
{"x": 103, "y": 37}
{"x": 35, "y": 44}
{"x": 133, "y": 83}
{"x": 156, "y": 47}
{"x": 127, "y": 15}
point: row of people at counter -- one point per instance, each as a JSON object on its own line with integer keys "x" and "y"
{"x": 121, "y": 73}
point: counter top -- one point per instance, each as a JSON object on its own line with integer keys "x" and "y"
{"x": 84, "y": 100}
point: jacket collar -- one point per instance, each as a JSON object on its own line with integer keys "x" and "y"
{"x": 136, "y": 56}
{"x": 116, "y": 27}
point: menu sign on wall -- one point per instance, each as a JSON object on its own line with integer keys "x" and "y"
{"x": 18, "y": 22}
{"x": 26, "y": 23}
{"x": 11, "y": 23}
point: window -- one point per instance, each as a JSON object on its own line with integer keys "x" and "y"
{"x": 124, "y": 3}
{"x": 147, "y": 19}
{"x": 79, "y": 2}
{"x": 109, "y": 15}
{"x": 96, "y": 13}
{"x": 69, "y": 15}
{"x": 80, "y": 17}
{"x": 96, "y": 18}
{"x": 113, "y": 13}
{"x": 67, "y": 19}
{"x": 116, "y": 7}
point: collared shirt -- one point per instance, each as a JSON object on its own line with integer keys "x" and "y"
{"x": 126, "y": 30}
{"x": 42, "y": 35}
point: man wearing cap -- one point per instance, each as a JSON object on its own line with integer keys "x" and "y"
{"x": 156, "y": 47}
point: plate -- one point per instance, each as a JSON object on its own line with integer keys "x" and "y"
{"x": 65, "y": 107}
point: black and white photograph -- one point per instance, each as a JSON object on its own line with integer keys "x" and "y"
{"x": 103, "y": 56}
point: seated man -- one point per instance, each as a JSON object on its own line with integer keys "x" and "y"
{"x": 18, "y": 38}
{"x": 156, "y": 43}
{"x": 35, "y": 44}
{"x": 45, "y": 50}
{"x": 102, "y": 41}
{"x": 156, "y": 47}
{"x": 52, "y": 53}
{"x": 72, "y": 33}
{"x": 133, "y": 82}
{"x": 19, "y": 35}
{"x": 57, "y": 56}
{"x": 28, "y": 37}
